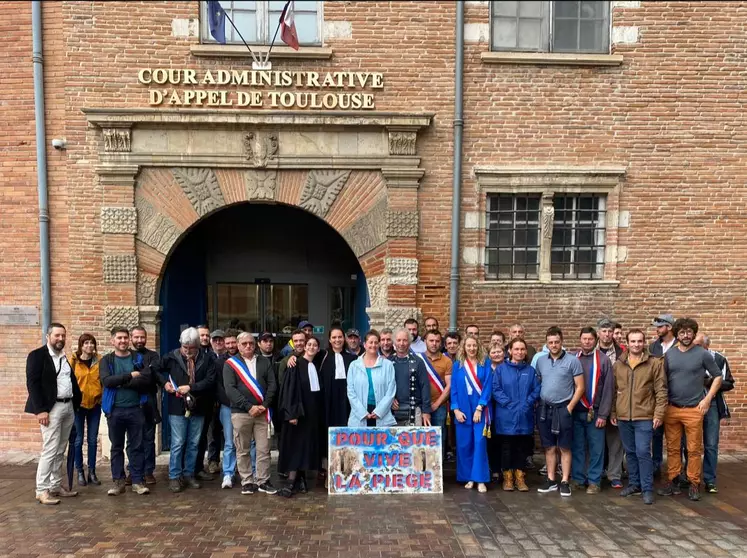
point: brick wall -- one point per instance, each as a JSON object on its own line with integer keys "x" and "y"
{"x": 671, "y": 114}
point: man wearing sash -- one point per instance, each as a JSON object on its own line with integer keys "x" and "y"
{"x": 251, "y": 386}
{"x": 439, "y": 375}
{"x": 412, "y": 404}
{"x": 591, "y": 414}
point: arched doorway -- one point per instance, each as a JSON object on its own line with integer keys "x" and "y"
{"x": 262, "y": 267}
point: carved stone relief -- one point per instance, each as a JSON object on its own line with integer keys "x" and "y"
{"x": 260, "y": 148}
{"x": 368, "y": 231}
{"x": 155, "y": 229}
{"x": 402, "y": 271}
{"x": 402, "y": 143}
{"x": 120, "y": 269}
{"x": 402, "y": 223}
{"x": 321, "y": 189}
{"x": 395, "y": 316}
{"x": 201, "y": 187}
{"x": 377, "y": 291}
{"x": 146, "y": 289}
{"x": 117, "y": 140}
{"x": 261, "y": 184}
{"x": 119, "y": 220}
{"x": 548, "y": 218}
{"x": 124, "y": 316}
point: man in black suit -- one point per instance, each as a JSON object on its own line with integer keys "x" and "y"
{"x": 54, "y": 396}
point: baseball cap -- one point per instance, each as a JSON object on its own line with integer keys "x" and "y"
{"x": 352, "y": 332}
{"x": 605, "y": 323}
{"x": 265, "y": 335}
{"x": 304, "y": 323}
{"x": 218, "y": 333}
{"x": 662, "y": 320}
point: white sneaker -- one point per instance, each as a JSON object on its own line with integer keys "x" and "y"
{"x": 227, "y": 482}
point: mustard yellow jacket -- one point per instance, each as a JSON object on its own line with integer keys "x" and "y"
{"x": 89, "y": 381}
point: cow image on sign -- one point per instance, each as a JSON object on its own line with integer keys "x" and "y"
{"x": 395, "y": 460}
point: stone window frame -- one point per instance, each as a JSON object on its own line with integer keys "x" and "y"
{"x": 547, "y": 182}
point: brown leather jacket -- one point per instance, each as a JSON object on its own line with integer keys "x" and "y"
{"x": 640, "y": 392}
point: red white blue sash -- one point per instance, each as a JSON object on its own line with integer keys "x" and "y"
{"x": 596, "y": 373}
{"x": 242, "y": 371}
{"x": 473, "y": 381}
{"x": 433, "y": 376}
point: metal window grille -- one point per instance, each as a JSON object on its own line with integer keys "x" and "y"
{"x": 513, "y": 236}
{"x": 550, "y": 26}
{"x": 258, "y": 20}
{"x": 578, "y": 236}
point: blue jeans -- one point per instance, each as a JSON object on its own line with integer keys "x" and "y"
{"x": 90, "y": 419}
{"x": 229, "y": 450}
{"x": 586, "y": 434}
{"x": 636, "y": 437}
{"x": 711, "y": 431}
{"x": 185, "y": 439}
{"x": 438, "y": 418}
{"x": 129, "y": 421}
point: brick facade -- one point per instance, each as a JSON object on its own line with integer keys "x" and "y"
{"x": 668, "y": 118}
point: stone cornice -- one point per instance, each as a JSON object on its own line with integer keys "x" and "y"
{"x": 109, "y": 118}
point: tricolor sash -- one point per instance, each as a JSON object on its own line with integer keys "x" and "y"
{"x": 474, "y": 383}
{"x": 596, "y": 372}
{"x": 433, "y": 376}
{"x": 242, "y": 371}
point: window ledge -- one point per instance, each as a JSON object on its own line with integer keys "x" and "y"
{"x": 551, "y": 58}
{"x": 534, "y": 283}
{"x": 240, "y": 51}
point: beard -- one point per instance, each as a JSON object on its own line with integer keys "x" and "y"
{"x": 686, "y": 342}
{"x": 138, "y": 346}
{"x": 58, "y": 345}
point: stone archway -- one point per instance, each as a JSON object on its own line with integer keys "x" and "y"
{"x": 162, "y": 171}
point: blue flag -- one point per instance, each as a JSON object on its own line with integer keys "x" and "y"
{"x": 217, "y": 21}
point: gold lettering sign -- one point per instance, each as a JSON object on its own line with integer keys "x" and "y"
{"x": 277, "y": 89}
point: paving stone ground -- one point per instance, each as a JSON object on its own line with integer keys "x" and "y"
{"x": 222, "y": 523}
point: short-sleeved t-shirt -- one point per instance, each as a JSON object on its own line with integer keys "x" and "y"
{"x": 442, "y": 365}
{"x": 557, "y": 376}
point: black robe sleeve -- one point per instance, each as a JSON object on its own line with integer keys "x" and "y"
{"x": 291, "y": 402}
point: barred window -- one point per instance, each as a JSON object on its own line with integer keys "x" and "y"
{"x": 513, "y": 230}
{"x": 578, "y": 236}
{"x": 551, "y": 26}
{"x": 257, "y": 21}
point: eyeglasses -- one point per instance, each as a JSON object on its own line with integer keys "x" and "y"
{"x": 247, "y": 343}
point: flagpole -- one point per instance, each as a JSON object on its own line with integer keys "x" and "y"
{"x": 254, "y": 57}
{"x": 267, "y": 59}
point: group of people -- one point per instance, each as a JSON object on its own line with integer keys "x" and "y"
{"x": 229, "y": 391}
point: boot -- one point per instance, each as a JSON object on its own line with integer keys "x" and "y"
{"x": 92, "y": 478}
{"x": 508, "y": 480}
{"x": 302, "y": 487}
{"x": 288, "y": 490}
{"x": 81, "y": 478}
{"x": 521, "y": 483}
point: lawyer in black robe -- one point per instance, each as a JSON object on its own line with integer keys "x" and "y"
{"x": 335, "y": 386}
{"x": 301, "y": 404}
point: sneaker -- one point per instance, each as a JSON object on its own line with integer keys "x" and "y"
{"x": 631, "y": 491}
{"x": 191, "y": 482}
{"x": 204, "y": 476}
{"x": 175, "y": 485}
{"x": 548, "y": 486}
{"x": 227, "y": 482}
{"x": 711, "y": 488}
{"x": 592, "y": 489}
{"x": 693, "y": 493}
{"x": 529, "y": 464}
{"x": 543, "y": 470}
{"x": 267, "y": 488}
{"x": 47, "y": 499}
{"x": 671, "y": 489}
{"x": 150, "y": 479}
{"x": 616, "y": 484}
{"x": 140, "y": 489}
{"x": 128, "y": 480}
{"x": 575, "y": 485}
{"x": 213, "y": 468}
{"x": 118, "y": 488}
{"x": 249, "y": 488}
{"x": 648, "y": 497}
{"x": 684, "y": 483}
{"x": 565, "y": 489}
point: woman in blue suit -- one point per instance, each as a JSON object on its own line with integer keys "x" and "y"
{"x": 516, "y": 389}
{"x": 471, "y": 383}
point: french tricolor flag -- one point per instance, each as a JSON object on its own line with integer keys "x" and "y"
{"x": 288, "y": 26}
